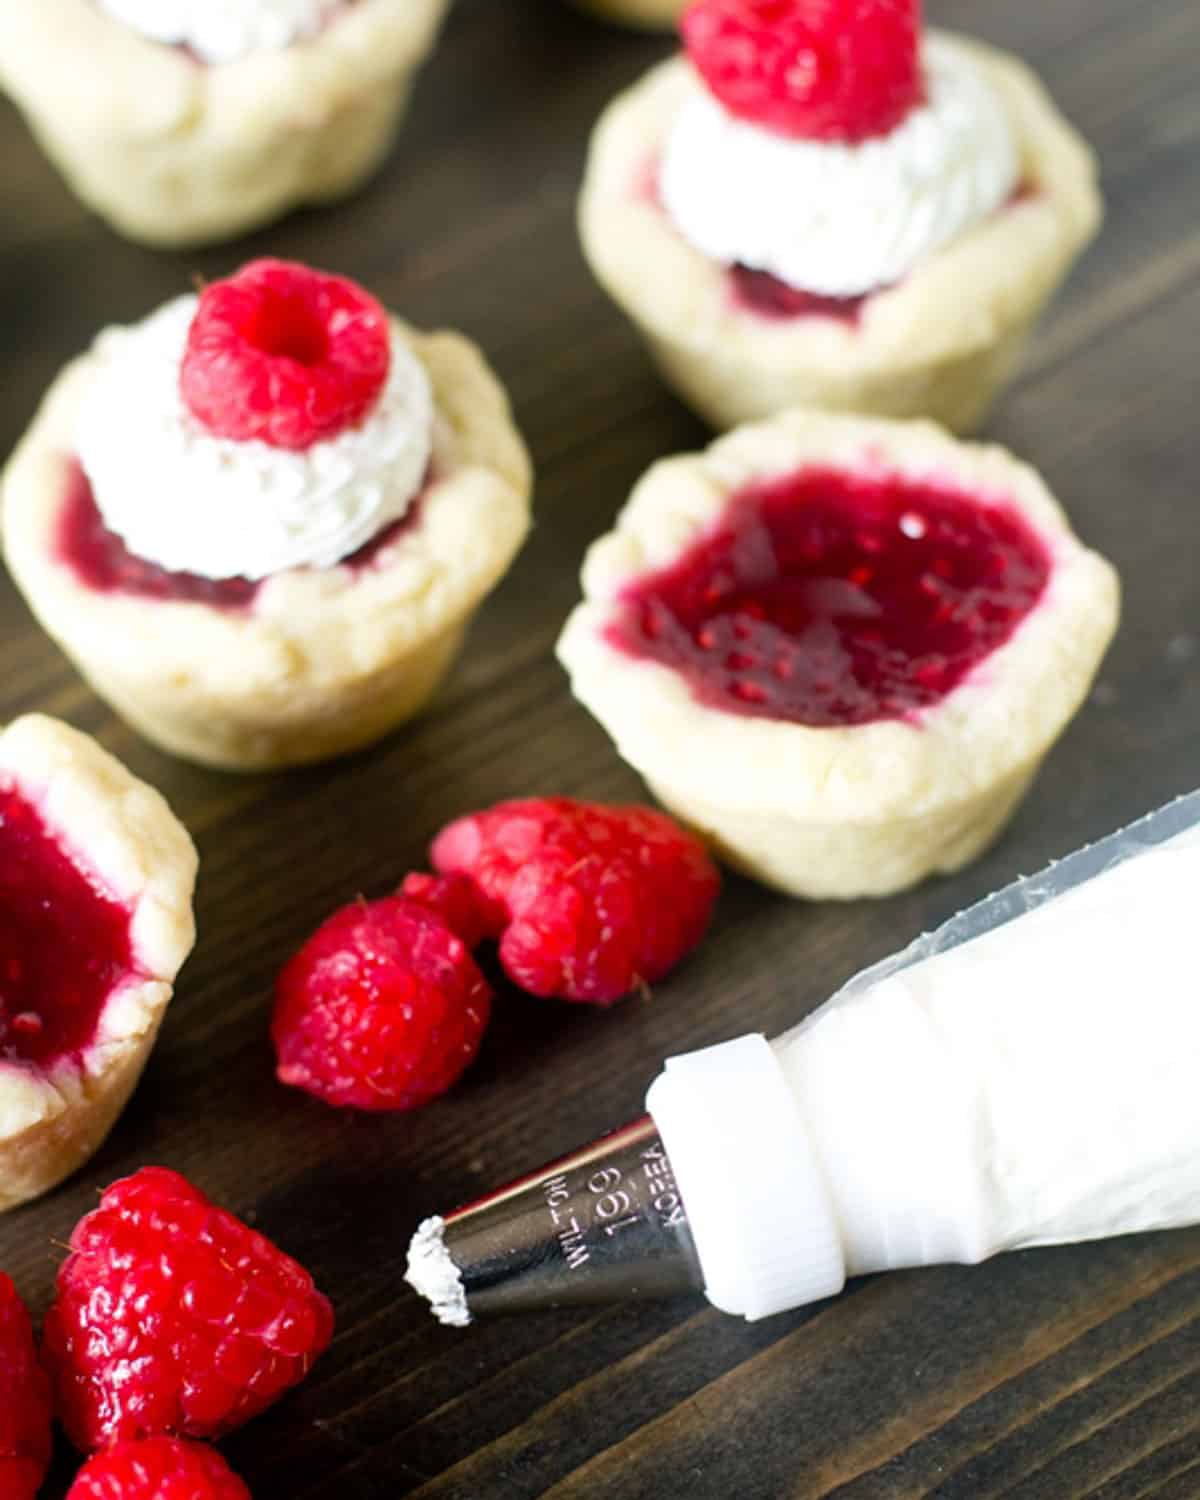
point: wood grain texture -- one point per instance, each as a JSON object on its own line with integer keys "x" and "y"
{"x": 1048, "y": 1375}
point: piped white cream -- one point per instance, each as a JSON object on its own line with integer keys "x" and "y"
{"x": 1023, "y": 1076}
{"x": 192, "y": 502}
{"x": 842, "y": 220}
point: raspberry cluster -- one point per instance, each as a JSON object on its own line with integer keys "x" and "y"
{"x": 593, "y": 902}
{"x": 384, "y": 1007}
{"x": 172, "y": 1322}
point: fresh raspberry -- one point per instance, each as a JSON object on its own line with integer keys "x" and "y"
{"x": 24, "y": 1402}
{"x": 599, "y": 900}
{"x": 382, "y": 1008}
{"x": 158, "y": 1468}
{"x": 172, "y": 1316}
{"x": 824, "y": 70}
{"x": 460, "y": 904}
{"x": 284, "y": 354}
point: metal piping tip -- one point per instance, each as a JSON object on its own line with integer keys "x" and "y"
{"x": 603, "y": 1224}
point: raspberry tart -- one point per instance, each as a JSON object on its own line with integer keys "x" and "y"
{"x": 818, "y": 204}
{"x": 96, "y": 879}
{"x": 186, "y": 121}
{"x": 840, "y": 647}
{"x": 260, "y": 520}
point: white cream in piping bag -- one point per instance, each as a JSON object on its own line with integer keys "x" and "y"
{"x": 221, "y": 31}
{"x": 195, "y": 503}
{"x": 1035, "y": 1084}
{"x": 841, "y": 220}
{"x": 1025, "y": 1075}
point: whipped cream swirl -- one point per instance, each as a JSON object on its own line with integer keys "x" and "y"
{"x": 842, "y": 220}
{"x": 194, "y": 503}
{"x": 221, "y": 31}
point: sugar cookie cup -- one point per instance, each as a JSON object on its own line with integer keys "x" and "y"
{"x": 871, "y": 796}
{"x": 175, "y": 152}
{"x": 316, "y": 662}
{"x": 942, "y": 342}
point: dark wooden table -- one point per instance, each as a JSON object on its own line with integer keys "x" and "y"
{"x": 1051, "y": 1374}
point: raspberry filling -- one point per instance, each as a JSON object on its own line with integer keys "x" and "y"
{"x": 829, "y": 599}
{"x": 760, "y": 292}
{"x": 64, "y": 944}
{"x": 770, "y": 297}
{"x": 100, "y": 559}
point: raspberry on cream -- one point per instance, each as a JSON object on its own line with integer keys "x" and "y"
{"x": 194, "y": 502}
{"x": 839, "y": 70}
{"x": 285, "y": 353}
{"x": 222, "y": 31}
{"x": 833, "y": 217}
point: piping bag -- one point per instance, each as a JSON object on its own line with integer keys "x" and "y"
{"x": 1027, "y": 1074}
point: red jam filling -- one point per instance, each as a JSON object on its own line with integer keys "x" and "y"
{"x": 766, "y": 295}
{"x": 101, "y": 561}
{"x": 830, "y": 598}
{"x": 762, "y": 293}
{"x": 64, "y": 944}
